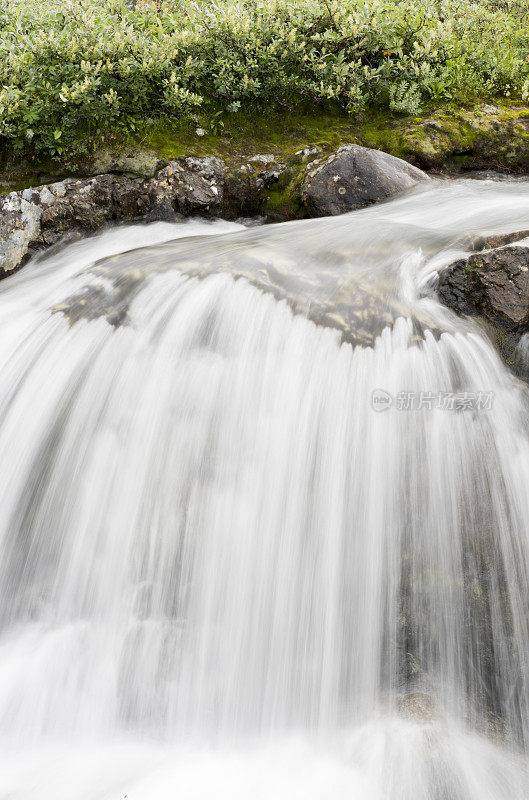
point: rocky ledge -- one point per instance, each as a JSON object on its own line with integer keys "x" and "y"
{"x": 352, "y": 178}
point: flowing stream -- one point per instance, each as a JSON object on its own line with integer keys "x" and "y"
{"x": 264, "y": 515}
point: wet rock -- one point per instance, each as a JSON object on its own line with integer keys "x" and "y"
{"x": 129, "y": 199}
{"x": 493, "y": 284}
{"x": 417, "y": 706}
{"x": 453, "y": 289}
{"x": 44, "y": 214}
{"x": 19, "y": 228}
{"x": 499, "y": 240}
{"x": 76, "y": 203}
{"x": 355, "y": 177}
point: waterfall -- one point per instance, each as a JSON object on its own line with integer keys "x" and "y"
{"x": 263, "y": 515}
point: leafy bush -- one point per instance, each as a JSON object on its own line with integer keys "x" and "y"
{"x": 70, "y": 69}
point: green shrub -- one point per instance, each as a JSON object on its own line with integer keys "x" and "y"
{"x": 71, "y": 69}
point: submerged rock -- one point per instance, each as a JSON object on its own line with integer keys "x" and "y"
{"x": 418, "y": 706}
{"x": 499, "y": 240}
{"x": 355, "y": 177}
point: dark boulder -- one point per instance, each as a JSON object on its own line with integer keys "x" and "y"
{"x": 129, "y": 199}
{"x": 355, "y": 177}
{"x": 243, "y": 192}
{"x": 492, "y": 284}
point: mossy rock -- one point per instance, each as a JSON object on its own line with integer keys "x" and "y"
{"x": 484, "y": 137}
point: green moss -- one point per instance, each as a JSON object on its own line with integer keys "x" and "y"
{"x": 458, "y": 138}
{"x": 282, "y": 200}
{"x": 245, "y": 134}
{"x": 484, "y": 136}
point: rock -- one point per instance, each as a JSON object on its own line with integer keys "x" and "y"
{"x": 139, "y": 162}
{"x": 417, "y": 706}
{"x": 499, "y": 240}
{"x": 453, "y": 289}
{"x": 72, "y": 203}
{"x": 493, "y": 284}
{"x": 44, "y": 214}
{"x": 266, "y": 159}
{"x": 278, "y": 173}
{"x": 130, "y": 200}
{"x": 19, "y": 228}
{"x": 355, "y": 177}
{"x": 243, "y": 192}
{"x": 189, "y": 185}
{"x": 477, "y": 138}
{"x": 307, "y": 154}
{"x": 268, "y": 170}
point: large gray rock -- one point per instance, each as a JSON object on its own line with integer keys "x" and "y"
{"x": 19, "y": 228}
{"x": 355, "y": 177}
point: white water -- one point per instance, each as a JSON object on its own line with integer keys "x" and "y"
{"x": 223, "y": 574}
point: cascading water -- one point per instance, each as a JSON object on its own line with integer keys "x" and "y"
{"x": 224, "y": 573}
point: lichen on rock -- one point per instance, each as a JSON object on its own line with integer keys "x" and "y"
{"x": 355, "y": 177}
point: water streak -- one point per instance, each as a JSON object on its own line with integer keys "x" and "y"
{"x": 222, "y": 572}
